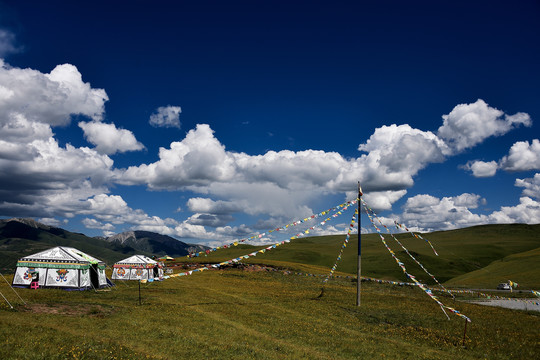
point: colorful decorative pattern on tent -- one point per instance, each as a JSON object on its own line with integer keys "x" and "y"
{"x": 69, "y": 258}
{"x": 137, "y": 267}
{"x": 137, "y": 261}
{"x": 62, "y": 267}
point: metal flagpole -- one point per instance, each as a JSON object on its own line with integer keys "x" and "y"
{"x": 359, "y": 245}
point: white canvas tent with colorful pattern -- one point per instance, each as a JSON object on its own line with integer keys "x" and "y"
{"x": 61, "y": 267}
{"x": 138, "y": 267}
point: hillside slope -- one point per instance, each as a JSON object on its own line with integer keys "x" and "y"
{"x": 460, "y": 252}
{"x": 523, "y": 268}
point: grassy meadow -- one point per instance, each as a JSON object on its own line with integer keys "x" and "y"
{"x": 238, "y": 313}
{"x": 235, "y": 314}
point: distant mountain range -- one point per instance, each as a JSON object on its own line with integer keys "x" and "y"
{"x": 154, "y": 243}
{"x": 22, "y": 237}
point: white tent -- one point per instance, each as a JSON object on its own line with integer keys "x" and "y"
{"x": 138, "y": 267}
{"x": 61, "y": 267}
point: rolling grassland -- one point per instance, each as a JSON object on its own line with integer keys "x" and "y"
{"x": 235, "y": 314}
{"x": 480, "y": 256}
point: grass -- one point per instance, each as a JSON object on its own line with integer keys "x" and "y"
{"x": 522, "y": 268}
{"x": 460, "y": 252}
{"x": 234, "y": 314}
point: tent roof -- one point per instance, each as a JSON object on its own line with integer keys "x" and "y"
{"x": 62, "y": 254}
{"x": 138, "y": 259}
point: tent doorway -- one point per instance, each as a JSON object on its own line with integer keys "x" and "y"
{"x": 156, "y": 272}
{"x": 94, "y": 277}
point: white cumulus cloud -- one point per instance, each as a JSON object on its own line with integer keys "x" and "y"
{"x": 383, "y": 200}
{"x": 38, "y": 177}
{"x": 396, "y": 154}
{"x": 531, "y": 186}
{"x": 522, "y": 156}
{"x": 113, "y": 209}
{"x": 469, "y": 124}
{"x": 166, "y": 116}
{"x": 212, "y": 220}
{"x": 527, "y": 211}
{"x": 206, "y": 205}
{"x": 286, "y": 178}
{"x": 50, "y": 221}
{"x": 48, "y": 98}
{"x": 108, "y": 139}
{"x": 94, "y": 224}
{"x": 199, "y": 159}
{"x": 282, "y": 180}
{"x": 482, "y": 169}
{"x": 429, "y": 213}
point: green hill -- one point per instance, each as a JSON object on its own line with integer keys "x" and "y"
{"x": 523, "y": 268}
{"x": 460, "y": 252}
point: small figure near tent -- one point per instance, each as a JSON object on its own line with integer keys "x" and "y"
{"x": 60, "y": 267}
{"x": 35, "y": 279}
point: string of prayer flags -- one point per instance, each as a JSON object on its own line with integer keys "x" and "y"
{"x": 418, "y": 236}
{"x": 512, "y": 285}
{"x": 343, "y": 246}
{"x": 295, "y": 223}
{"x": 404, "y": 248}
{"x": 412, "y": 277}
{"x": 270, "y": 247}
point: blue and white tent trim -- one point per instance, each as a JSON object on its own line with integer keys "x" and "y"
{"x": 61, "y": 267}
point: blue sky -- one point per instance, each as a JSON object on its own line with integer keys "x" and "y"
{"x": 209, "y": 120}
